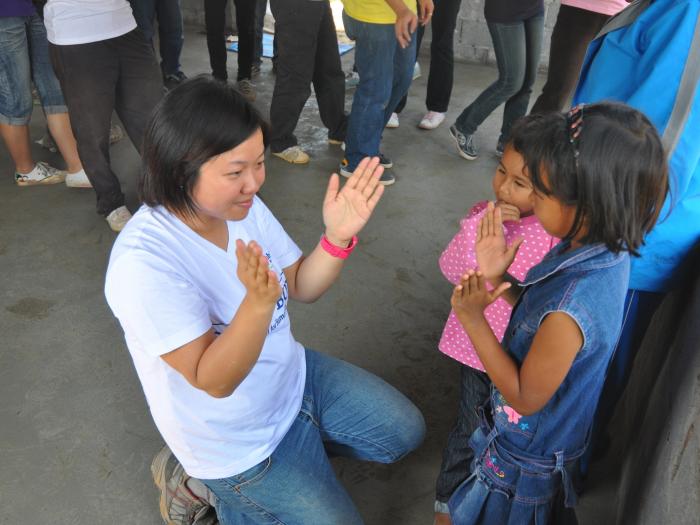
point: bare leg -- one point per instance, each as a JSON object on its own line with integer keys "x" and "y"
{"x": 59, "y": 126}
{"x": 17, "y": 140}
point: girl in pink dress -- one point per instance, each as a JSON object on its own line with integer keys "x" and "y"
{"x": 523, "y": 231}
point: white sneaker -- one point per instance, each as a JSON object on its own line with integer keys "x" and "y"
{"x": 293, "y": 155}
{"x": 115, "y": 133}
{"x": 393, "y": 121}
{"x": 416, "y": 71}
{"x": 78, "y": 179}
{"x": 118, "y": 218}
{"x": 41, "y": 174}
{"x": 431, "y": 120}
{"x": 47, "y": 142}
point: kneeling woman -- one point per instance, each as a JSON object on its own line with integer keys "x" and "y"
{"x": 199, "y": 280}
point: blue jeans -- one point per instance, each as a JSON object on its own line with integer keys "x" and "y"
{"x": 345, "y": 411}
{"x": 24, "y": 56}
{"x": 517, "y": 47}
{"x": 385, "y": 71}
{"x": 170, "y": 36}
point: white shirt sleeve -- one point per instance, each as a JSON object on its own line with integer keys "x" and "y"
{"x": 157, "y": 308}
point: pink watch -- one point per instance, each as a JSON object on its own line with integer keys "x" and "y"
{"x": 337, "y": 251}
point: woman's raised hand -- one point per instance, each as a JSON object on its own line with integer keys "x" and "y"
{"x": 347, "y": 210}
{"x": 492, "y": 255}
{"x": 261, "y": 283}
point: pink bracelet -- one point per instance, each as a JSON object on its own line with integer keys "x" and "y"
{"x": 337, "y": 251}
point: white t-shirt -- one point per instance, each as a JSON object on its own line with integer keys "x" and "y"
{"x": 168, "y": 286}
{"x": 70, "y": 22}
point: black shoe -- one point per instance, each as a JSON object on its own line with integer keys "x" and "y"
{"x": 173, "y": 80}
{"x": 465, "y": 143}
{"x": 385, "y": 161}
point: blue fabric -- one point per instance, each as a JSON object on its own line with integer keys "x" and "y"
{"x": 269, "y": 52}
{"x": 345, "y": 411}
{"x": 24, "y": 57}
{"x": 522, "y": 461}
{"x": 385, "y": 71}
{"x": 170, "y": 37}
{"x": 642, "y": 65}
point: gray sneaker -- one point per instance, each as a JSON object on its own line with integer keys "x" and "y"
{"x": 246, "y": 88}
{"x": 465, "y": 143}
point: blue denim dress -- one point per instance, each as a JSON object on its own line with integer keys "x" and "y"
{"x": 522, "y": 462}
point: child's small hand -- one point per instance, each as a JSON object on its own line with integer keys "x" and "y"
{"x": 492, "y": 254}
{"x": 261, "y": 284}
{"x": 509, "y": 212}
{"x": 471, "y": 296}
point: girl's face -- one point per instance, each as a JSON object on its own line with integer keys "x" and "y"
{"x": 556, "y": 217}
{"x": 511, "y": 185}
{"x": 227, "y": 183}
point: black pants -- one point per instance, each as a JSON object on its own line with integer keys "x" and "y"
{"x": 573, "y": 31}
{"x": 475, "y": 387}
{"x": 215, "y": 22}
{"x": 98, "y": 78}
{"x": 308, "y": 52}
{"x": 441, "y": 74}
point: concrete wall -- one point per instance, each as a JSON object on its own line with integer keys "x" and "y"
{"x": 472, "y": 40}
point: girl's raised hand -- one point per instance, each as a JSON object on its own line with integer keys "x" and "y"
{"x": 492, "y": 254}
{"x": 471, "y": 296}
{"x": 509, "y": 212}
{"x": 261, "y": 284}
{"x": 346, "y": 211}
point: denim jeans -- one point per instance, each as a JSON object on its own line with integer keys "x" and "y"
{"x": 475, "y": 387}
{"x": 24, "y": 56}
{"x": 170, "y": 36}
{"x": 517, "y": 47}
{"x": 345, "y": 411}
{"x": 385, "y": 71}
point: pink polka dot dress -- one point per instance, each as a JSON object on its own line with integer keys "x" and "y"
{"x": 460, "y": 256}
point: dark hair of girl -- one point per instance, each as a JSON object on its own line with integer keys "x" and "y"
{"x": 607, "y": 161}
{"x": 194, "y": 122}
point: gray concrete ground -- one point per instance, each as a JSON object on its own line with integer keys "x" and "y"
{"x": 76, "y": 438}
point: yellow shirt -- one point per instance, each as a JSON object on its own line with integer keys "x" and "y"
{"x": 374, "y": 11}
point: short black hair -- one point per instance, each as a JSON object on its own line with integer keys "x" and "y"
{"x": 200, "y": 119}
{"x": 617, "y": 181}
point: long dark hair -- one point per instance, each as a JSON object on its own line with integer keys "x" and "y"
{"x": 613, "y": 170}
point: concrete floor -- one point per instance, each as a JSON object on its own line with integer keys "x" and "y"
{"x": 76, "y": 438}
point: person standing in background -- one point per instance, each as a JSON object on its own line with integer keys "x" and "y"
{"x": 215, "y": 22}
{"x": 104, "y": 64}
{"x": 170, "y": 35}
{"x": 578, "y": 22}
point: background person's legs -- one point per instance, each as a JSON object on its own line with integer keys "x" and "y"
{"x": 245, "y": 22}
{"x": 170, "y": 36}
{"x": 215, "y": 22}
{"x": 573, "y": 31}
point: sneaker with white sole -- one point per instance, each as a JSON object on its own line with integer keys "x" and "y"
{"x": 183, "y": 500}
{"x": 115, "y": 133}
{"x": 465, "y": 143}
{"x": 393, "y": 122}
{"x": 42, "y": 174}
{"x": 387, "y": 179}
{"x": 47, "y": 142}
{"x": 78, "y": 179}
{"x": 431, "y": 120}
{"x": 293, "y": 155}
{"x": 118, "y": 218}
{"x": 352, "y": 79}
{"x": 246, "y": 88}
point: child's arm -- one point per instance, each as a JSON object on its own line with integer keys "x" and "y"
{"x": 529, "y": 387}
{"x": 494, "y": 256}
{"x": 345, "y": 212}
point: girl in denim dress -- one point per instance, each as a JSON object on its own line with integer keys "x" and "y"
{"x": 599, "y": 178}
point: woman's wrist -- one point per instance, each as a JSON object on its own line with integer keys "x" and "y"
{"x": 337, "y": 241}
{"x": 338, "y": 248}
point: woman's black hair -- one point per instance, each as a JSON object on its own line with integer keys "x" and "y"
{"x": 194, "y": 122}
{"x": 608, "y": 162}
